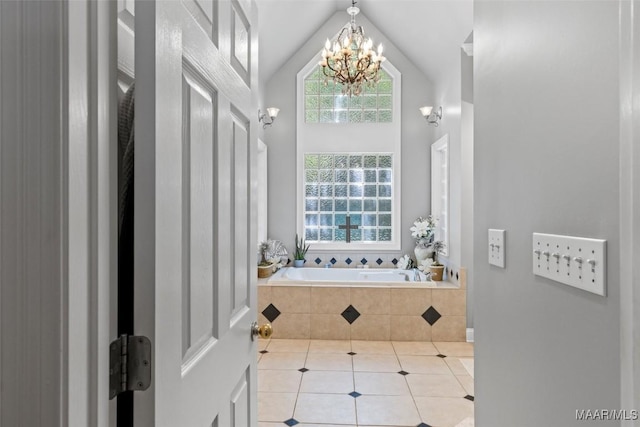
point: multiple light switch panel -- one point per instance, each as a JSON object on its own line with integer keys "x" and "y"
{"x": 574, "y": 261}
{"x": 496, "y": 247}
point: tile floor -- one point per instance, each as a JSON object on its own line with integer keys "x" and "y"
{"x": 322, "y": 383}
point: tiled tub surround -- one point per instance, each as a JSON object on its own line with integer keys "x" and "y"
{"x": 398, "y": 312}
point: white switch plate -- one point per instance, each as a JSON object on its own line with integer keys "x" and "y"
{"x": 496, "y": 247}
{"x": 574, "y": 261}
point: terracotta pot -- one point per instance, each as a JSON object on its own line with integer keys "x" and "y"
{"x": 265, "y": 271}
{"x": 436, "y": 272}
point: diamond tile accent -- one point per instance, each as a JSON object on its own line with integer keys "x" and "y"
{"x": 423, "y": 425}
{"x": 442, "y": 356}
{"x": 469, "y": 397}
{"x": 363, "y": 261}
{"x": 263, "y": 352}
{"x": 348, "y": 261}
{"x": 354, "y": 394}
{"x": 303, "y": 370}
{"x": 291, "y": 422}
{"x": 379, "y": 261}
{"x": 431, "y": 315}
{"x": 318, "y": 260}
{"x": 333, "y": 261}
{"x": 271, "y": 312}
{"x": 405, "y": 373}
{"x": 350, "y": 314}
{"x": 394, "y": 261}
{"x": 351, "y": 353}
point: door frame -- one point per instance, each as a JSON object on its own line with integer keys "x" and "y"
{"x": 629, "y": 206}
{"x": 90, "y": 202}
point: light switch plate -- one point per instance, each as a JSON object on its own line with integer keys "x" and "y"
{"x": 496, "y": 247}
{"x": 575, "y": 261}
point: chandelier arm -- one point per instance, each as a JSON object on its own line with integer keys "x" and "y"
{"x": 331, "y": 68}
{"x": 362, "y": 70}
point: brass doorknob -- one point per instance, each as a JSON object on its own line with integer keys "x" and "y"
{"x": 264, "y": 331}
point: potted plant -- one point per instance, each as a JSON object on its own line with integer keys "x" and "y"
{"x": 301, "y": 252}
{"x": 436, "y": 268}
{"x": 265, "y": 267}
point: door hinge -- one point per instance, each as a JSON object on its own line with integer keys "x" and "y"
{"x": 129, "y": 364}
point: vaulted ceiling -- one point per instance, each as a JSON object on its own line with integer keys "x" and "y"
{"x": 428, "y": 32}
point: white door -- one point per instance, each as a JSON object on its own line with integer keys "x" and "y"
{"x": 195, "y": 250}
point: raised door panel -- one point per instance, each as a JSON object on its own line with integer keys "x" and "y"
{"x": 197, "y": 213}
{"x": 126, "y": 43}
{"x": 240, "y": 41}
{"x": 205, "y": 13}
{"x": 241, "y": 227}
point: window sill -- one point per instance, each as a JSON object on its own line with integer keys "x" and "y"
{"x": 354, "y": 247}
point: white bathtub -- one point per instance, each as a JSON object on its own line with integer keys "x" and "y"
{"x": 349, "y": 277}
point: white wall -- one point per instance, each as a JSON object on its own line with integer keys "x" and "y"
{"x": 416, "y": 135}
{"x": 448, "y": 95}
{"x": 58, "y": 216}
{"x": 457, "y": 122}
{"x": 546, "y": 99}
{"x": 31, "y": 271}
{"x": 466, "y": 178}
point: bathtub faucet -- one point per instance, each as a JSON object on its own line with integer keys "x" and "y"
{"x": 417, "y": 276}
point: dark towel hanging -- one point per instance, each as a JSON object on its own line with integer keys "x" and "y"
{"x": 125, "y": 237}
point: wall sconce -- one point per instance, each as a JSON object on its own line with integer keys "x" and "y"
{"x": 272, "y": 114}
{"x": 432, "y": 117}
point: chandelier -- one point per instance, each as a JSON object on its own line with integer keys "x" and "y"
{"x": 350, "y": 60}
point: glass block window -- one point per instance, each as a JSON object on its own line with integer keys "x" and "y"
{"x": 325, "y": 103}
{"x": 358, "y": 185}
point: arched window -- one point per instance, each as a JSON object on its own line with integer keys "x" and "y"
{"x": 348, "y": 155}
{"x": 324, "y": 101}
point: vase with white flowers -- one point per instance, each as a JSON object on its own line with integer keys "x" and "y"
{"x": 423, "y": 231}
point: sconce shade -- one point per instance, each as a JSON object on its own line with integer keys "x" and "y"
{"x": 426, "y": 111}
{"x": 273, "y": 112}
{"x": 432, "y": 117}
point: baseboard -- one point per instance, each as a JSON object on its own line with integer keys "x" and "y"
{"x": 470, "y": 335}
